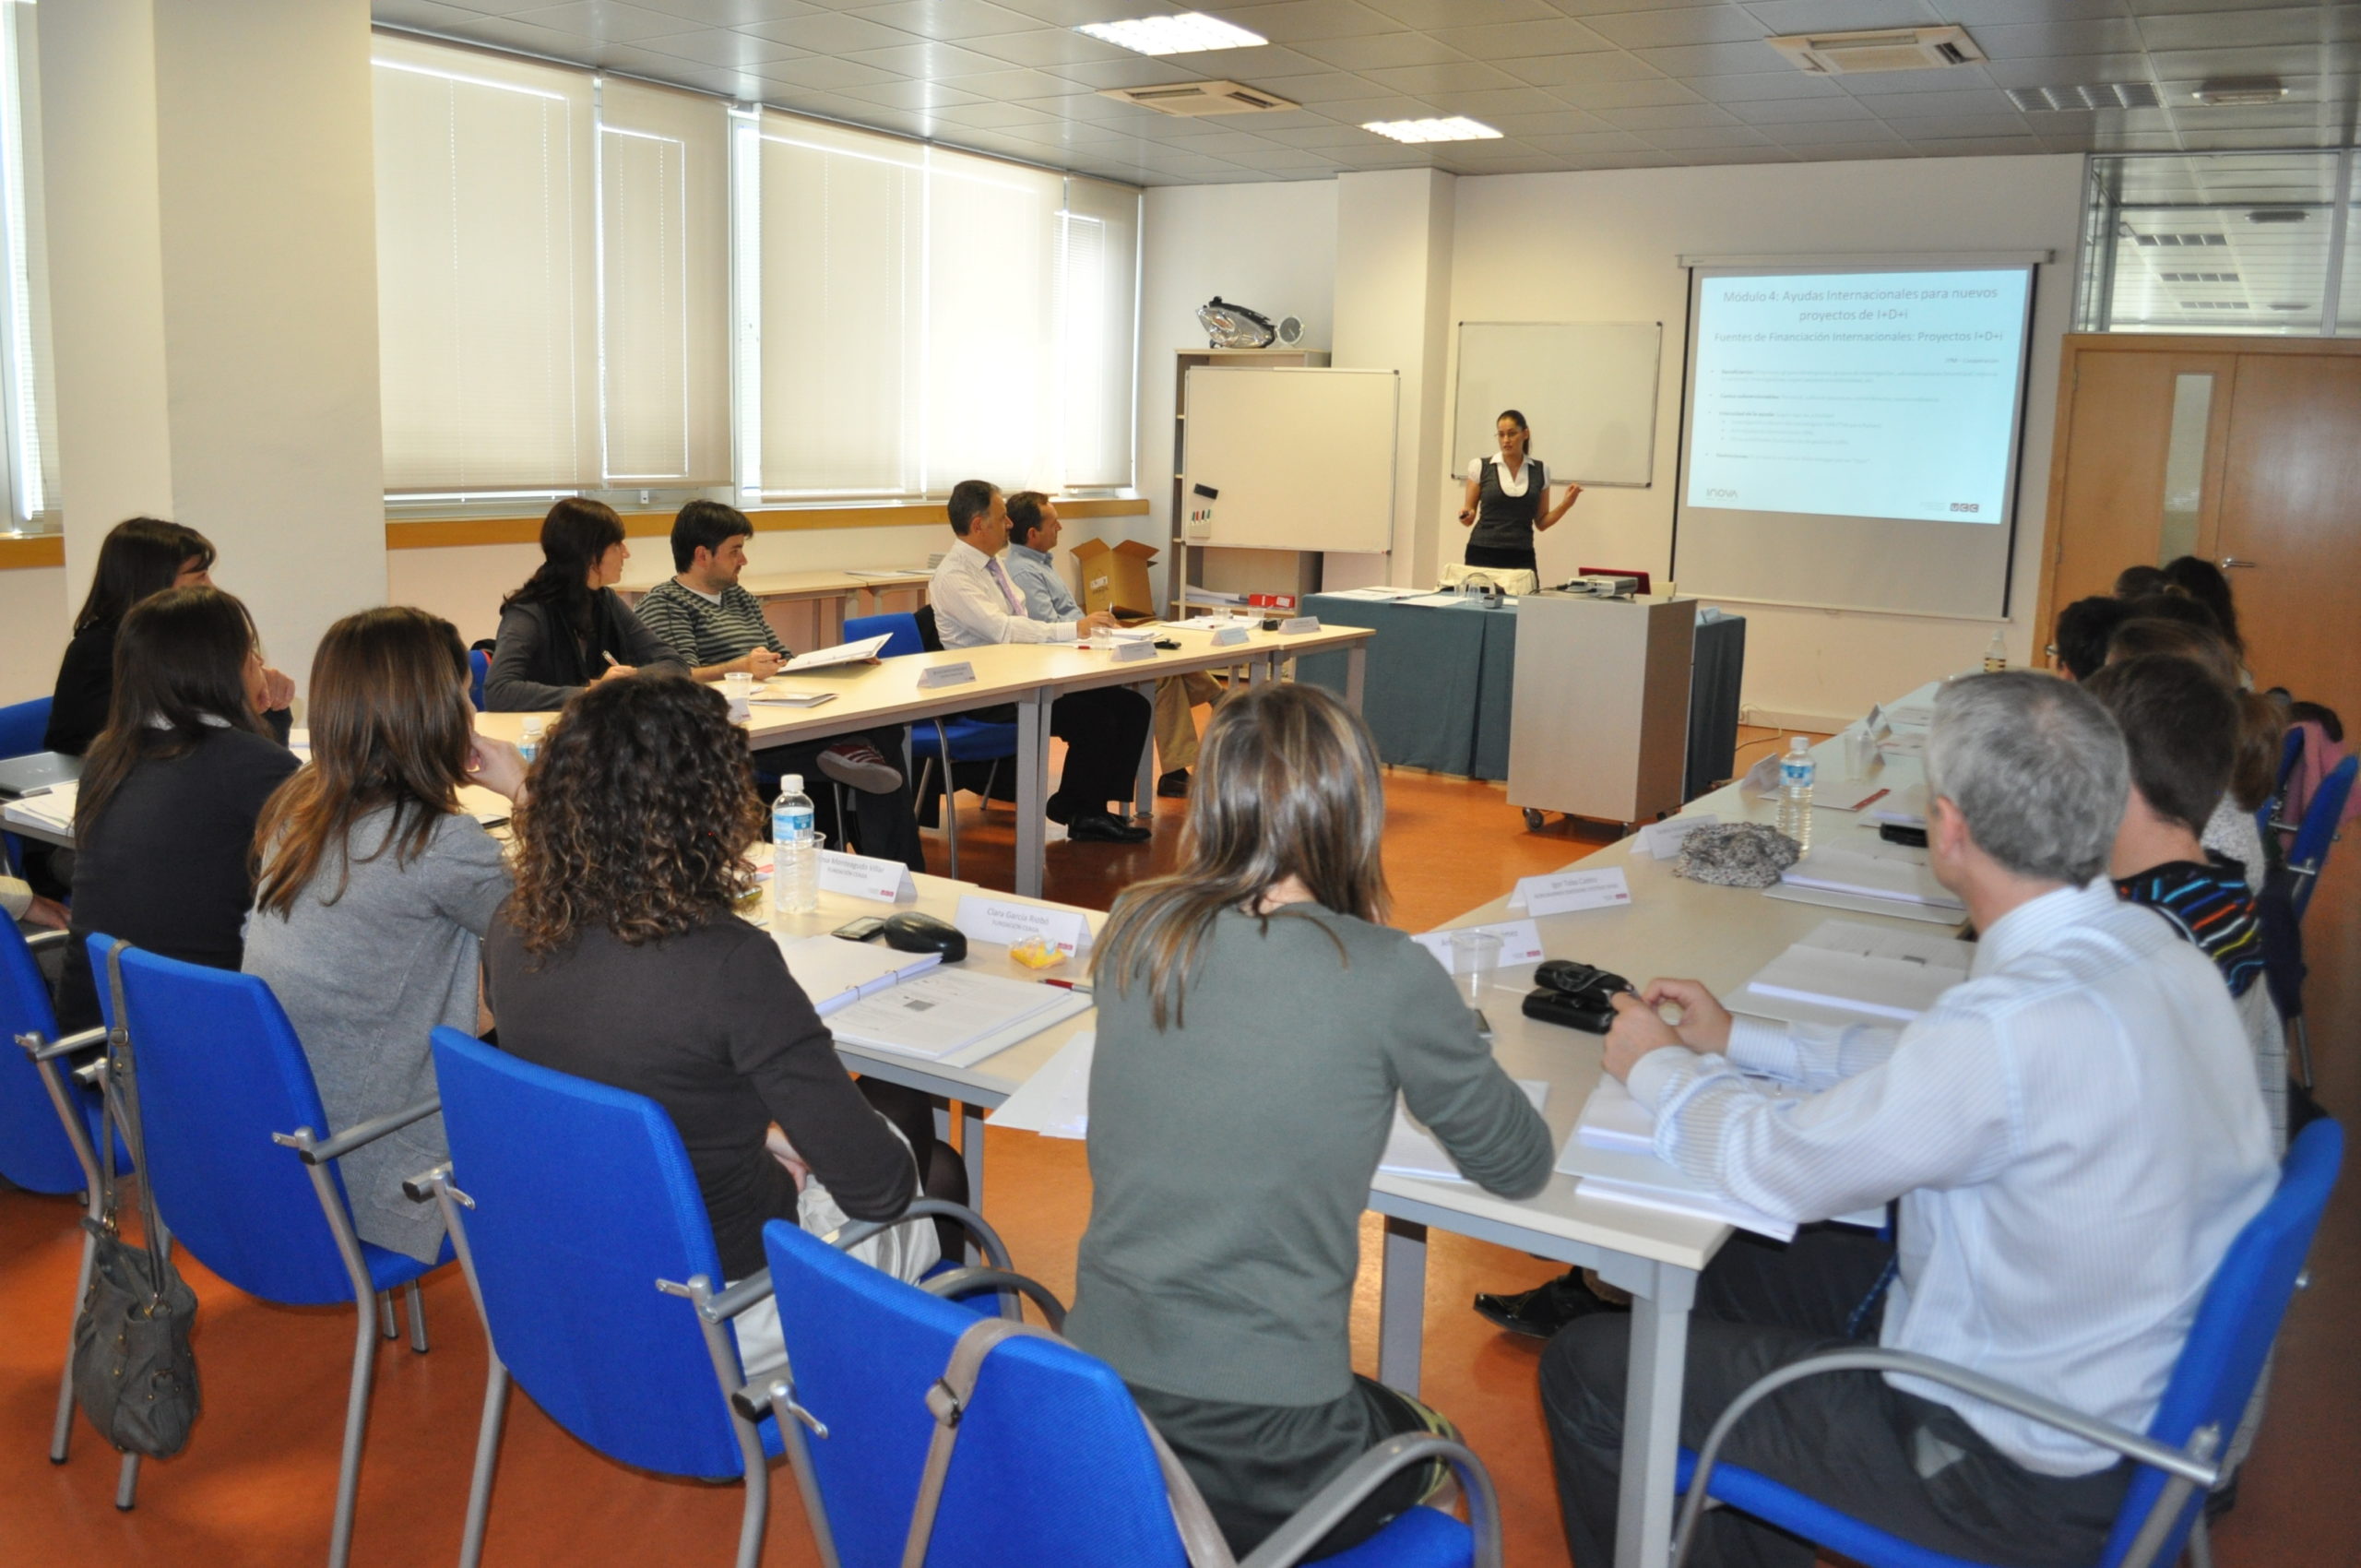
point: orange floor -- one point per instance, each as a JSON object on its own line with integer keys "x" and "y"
{"x": 255, "y": 1485}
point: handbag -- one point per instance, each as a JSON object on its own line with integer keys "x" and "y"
{"x": 135, "y": 1372}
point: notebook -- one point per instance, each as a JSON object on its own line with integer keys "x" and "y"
{"x": 1411, "y": 1150}
{"x": 835, "y": 973}
{"x": 1845, "y": 972}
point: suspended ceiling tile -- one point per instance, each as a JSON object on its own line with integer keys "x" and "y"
{"x": 712, "y": 46}
{"x": 1910, "y": 105}
{"x": 1047, "y": 47}
{"x": 1550, "y": 123}
{"x": 1758, "y": 85}
{"x": 1136, "y": 70}
{"x": 1667, "y": 116}
{"x": 1570, "y": 70}
{"x": 1954, "y": 127}
{"x": 1779, "y": 16}
{"x": 1797, "y": 110}
{"x": 732, "y": 12}
{"x": 912, "y": 95}
{"x": 1462, "y": 75}
{"x": 947, "y": 18}
{"x": 1293, "y": 21}
{"x": 1909, "y": 84}
{"x": 2072, "y": 70}
{"x": 1975, "y": 15}
{"x": 1506, "y": 41}
{"x": 1008, "y": 86}
{"x": 1688, "y": 60}
{"x": 1708, "y": 157}
{"x": 1625, "y": 95}
{"x": 823, "y": 72}
{"x": 1587, "y": 143}
{"x": 825, "y": 32}
{"x": 1431, "y": 15}
{"x": 1830, "y": 132}
{"x": 1378, "y": 50}
{"x": 1683, "y": 138}
{"x": 609, "y": 21}
{"x": 1849, "y": 151}
{"x": 2096, "y": 35}
{"x": 1489, "y": 105}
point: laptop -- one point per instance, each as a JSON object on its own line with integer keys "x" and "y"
{"x": 37, "y": 770}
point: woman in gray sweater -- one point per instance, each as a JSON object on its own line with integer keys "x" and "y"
{"x": 376, "y": 890}
{"x": 1256, "y": 1023}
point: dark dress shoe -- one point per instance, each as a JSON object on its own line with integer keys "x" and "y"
{"x": 1174, "y": 786}
{"x": 1102, "y": 827}
{"x": 1544, "y": 1310}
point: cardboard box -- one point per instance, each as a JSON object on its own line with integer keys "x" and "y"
{"x": 1115, "y": 577}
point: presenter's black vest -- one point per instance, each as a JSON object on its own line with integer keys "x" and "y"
{"x": 1505, "y": 521}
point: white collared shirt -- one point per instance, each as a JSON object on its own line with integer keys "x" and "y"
{"x": 2074, "y": 1133}
{"x": 971, "y": 611}
{"x": 1510, "y": 484}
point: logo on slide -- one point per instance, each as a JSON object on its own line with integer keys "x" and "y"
{"x": 1967, "y": 507}
{"x": 1721, "y": 494}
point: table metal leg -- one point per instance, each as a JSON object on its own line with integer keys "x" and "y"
{"x": 1402, "y": 1304}
{"x": 1144, "y": 790}
{"x": 1355, "y": 674}
{"x": 1032, "y": 789}
{"x": 971, "y": 1153}
{"x": 1661, "y": 1299}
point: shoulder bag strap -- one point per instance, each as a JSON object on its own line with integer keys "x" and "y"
{"x": 126, "y": 1088}
{"x": 1200, "y": 1536}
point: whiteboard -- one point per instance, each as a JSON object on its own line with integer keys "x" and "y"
{"x": 1303, "y": 458}
{"x": 1588, "y": 388}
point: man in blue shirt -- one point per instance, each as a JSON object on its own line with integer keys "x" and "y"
{"x": 1033, "y": 530}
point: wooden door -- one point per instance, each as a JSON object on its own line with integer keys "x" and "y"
{"x": 2111, "y": 492}
{"x": 2292, "y": 507}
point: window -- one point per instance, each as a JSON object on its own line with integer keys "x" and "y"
{"x": 28, "y": 395}
{"x": 925, "y": 315}
{"x": 2220, "y": 243}
{"x": 551, "y": 278}
{"x": 587, "y": 283}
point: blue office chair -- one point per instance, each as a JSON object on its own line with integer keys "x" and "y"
{"x": 49, "y": 1119}
{"x": 2266, "y": 815}
{"x": 478, "y": 669}
{"x": 2219, "y": 1365}
{"x": 1054, "y": 1465}
{"x": 225, "y": 1093}
{"x": 955, "y": 740}
{"x": 2323, "y": 813}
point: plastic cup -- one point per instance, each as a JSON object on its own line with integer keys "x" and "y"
{"x": 1101, "y": 639}
{"x": 738, "y": 687}
{"x": 1474, "y": 960}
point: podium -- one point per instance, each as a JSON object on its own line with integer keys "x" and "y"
{"x": 1600, "y": 726}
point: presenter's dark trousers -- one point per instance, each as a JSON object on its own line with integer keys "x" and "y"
{"x": 1911, "y": 1467}
{"x": 1104, "y": 731}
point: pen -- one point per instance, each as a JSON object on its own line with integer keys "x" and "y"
{"x": 1873, "y": 800}
{"x": 1067, "y": 985}
{"x": 610, "y": 659}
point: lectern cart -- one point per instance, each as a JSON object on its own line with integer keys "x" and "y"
{"x": 1600, "y": 726}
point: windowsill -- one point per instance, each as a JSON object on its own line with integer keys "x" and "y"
{"x": 443, "y": 534}
{"x": 28, "y": 551}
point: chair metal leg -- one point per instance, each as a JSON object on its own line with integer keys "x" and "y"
{"x": 62, "y": 1433}
{"x": 2200, "y": 1545}
{"x": 2303, "y": 1049}
{"x": 385, "y": 1315}
{"x": 416, "y": 1306}
{"x": 356, "y": 1422}
{"x": 950, "y": 798}
{"x": 127, "y": 1483}
{"x": 495, "y": 1408}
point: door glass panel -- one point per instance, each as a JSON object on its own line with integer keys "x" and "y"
{"x": 2227, "y": 242}
{"x": 2185, "y": 464}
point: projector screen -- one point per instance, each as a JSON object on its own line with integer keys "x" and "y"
{"x": 1852, "y": 435}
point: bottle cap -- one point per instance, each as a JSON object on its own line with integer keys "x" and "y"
{"x": 791, "y": 783}
{"x": 1799, "y": 744}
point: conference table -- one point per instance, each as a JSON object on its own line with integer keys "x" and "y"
{"x": 1032, "y": 676}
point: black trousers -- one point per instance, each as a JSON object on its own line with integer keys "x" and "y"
{"x": 883, "y": 826}
{"x": 1502, "y": 560}
{"x": 1909, "y": 1466}
{"x": 1103, "y": 730}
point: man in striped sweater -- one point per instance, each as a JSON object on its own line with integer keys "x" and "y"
{"x": 719, "y": 629}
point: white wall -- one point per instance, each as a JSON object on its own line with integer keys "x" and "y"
{"x": 1600, "y": 246}
{"x": 1393, "y": 256}
{"x": 32, "y": 606}
{"x": 1271, "y": 247}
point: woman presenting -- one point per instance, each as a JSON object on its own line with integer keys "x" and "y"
{"x": 1506, "y": 501}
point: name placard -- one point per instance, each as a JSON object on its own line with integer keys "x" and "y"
{"x": 1562, "y": 892}
{"x": 947, "y": 674}
{"x": 1294, "y": 624}
{"x": 1229, "y": 636}
{"x": 1662, "y": 839}
{"x": 997, "y": 919}
{"x": 1519, "y": 942}
{"x": 1131, "y": 653}
{"x": 863, "y": 876}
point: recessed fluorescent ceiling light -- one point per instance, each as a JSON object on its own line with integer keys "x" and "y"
{"x": 1191, "y": 32}
{"x": 1458, "y": 128}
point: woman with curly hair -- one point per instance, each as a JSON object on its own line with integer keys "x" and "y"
{"x": 620, "y": 958}
{"x": 376, "y": 890}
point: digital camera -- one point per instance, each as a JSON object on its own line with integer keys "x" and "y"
{"x": 1578, "y": 996}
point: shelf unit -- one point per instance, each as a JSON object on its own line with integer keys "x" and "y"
{"x": 1290, "y": 571}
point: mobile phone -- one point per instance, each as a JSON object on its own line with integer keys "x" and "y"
{"x": 1897, "y": 833}
{"x": 861, "y": 930}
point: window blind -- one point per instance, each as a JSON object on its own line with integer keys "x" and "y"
{"x": 485, "y": 271}
{"x": 993, "y": 344}
{"x": 1097, "y": 314}
{"x": 27, "y": 386}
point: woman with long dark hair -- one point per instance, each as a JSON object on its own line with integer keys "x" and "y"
{"x": 1508, "y": 500}
{"x": 622, "y": 957}
{"x": 170, "y": 790}
{"x": 376, "y": 890}
{"x": 140, "y": 556}
{"x": 565, "y": 629}
{"x": 1256, "y": 1023}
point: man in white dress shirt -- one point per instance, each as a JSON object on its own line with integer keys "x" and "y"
{"x": 977, "y": 605}
{"x": 2073, "y": 1133}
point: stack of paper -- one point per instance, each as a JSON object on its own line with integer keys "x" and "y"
{"x": 53, "y": 809}
{"x": 862, "y": 652}
{"x": 1612, "y": 1119}
{"x": 1905, "y": 807}
{"x": 835, "y": 973}
{"x": 1873, "y": 877}
{"x": 1411, "y": 1150}
{"x": 1848, "y": 973}
{"x": 953, "y": 1015}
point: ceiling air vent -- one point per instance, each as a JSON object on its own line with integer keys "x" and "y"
{"x": 2187, "y": 242}
{"x": 1889, "y": 49}
{"x": 2197, "y": 278}
{"x": 1191, "y": 100}
{"x": 2098, "y": 95}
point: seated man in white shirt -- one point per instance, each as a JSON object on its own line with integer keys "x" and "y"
{"x": 2074, "y": 1135}
{"x": 1033, "y": 530}
{"x": 977, "y": 605}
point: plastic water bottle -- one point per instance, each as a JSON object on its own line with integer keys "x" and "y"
{"x": 1796, "y": 773}
{"x": 1996, "y": 656}
{"x": 795, "y": 850}
{"x": 528, "y": 746}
